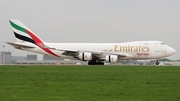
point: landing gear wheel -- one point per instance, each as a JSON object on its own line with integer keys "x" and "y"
{"x": 157, "y": 62}
{"x": 102, "y": 63}
{"x": 94, "y": 62}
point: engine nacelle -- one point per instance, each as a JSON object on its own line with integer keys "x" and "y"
{"x": 85, "y": 56}
{"x": 112, "y": 58}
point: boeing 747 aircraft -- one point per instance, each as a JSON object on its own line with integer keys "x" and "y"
{"x": 94, "y": 53}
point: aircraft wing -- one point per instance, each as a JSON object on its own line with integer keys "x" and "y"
{"x": 19, "y": 45}
{"x": 69, "y": 52}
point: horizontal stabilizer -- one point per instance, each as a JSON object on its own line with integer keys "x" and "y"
{"x": 19, "y": 45}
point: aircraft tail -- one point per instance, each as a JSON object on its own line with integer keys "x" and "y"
{"x": 23, "y": 33}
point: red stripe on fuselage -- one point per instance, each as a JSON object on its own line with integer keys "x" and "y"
{"x": 39, "y": 43}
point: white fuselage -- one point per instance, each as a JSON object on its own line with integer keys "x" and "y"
{"x": 133, "y": 50}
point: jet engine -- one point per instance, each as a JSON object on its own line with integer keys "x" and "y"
{"x": 85, "y": 56}
{"x": 112, "y": 58}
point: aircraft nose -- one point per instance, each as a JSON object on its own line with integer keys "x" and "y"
{"x": 170, "y": 51}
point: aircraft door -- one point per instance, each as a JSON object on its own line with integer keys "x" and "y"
{"x": 160, "y": 50}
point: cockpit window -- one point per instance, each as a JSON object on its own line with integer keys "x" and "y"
{"x": 162, "y": 43}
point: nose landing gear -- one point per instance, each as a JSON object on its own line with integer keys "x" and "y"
{"x": 157, "y": 62}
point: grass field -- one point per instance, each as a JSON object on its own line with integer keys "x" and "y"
{"x": 89, "y": 83}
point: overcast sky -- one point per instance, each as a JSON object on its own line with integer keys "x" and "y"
{"x": 93, "y": 21}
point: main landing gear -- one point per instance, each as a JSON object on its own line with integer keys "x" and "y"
{"x": 157, "y": 62}
{"x": 96, "y": 62}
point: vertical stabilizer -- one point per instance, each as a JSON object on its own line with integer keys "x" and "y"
{"x": 23, "y": 33}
